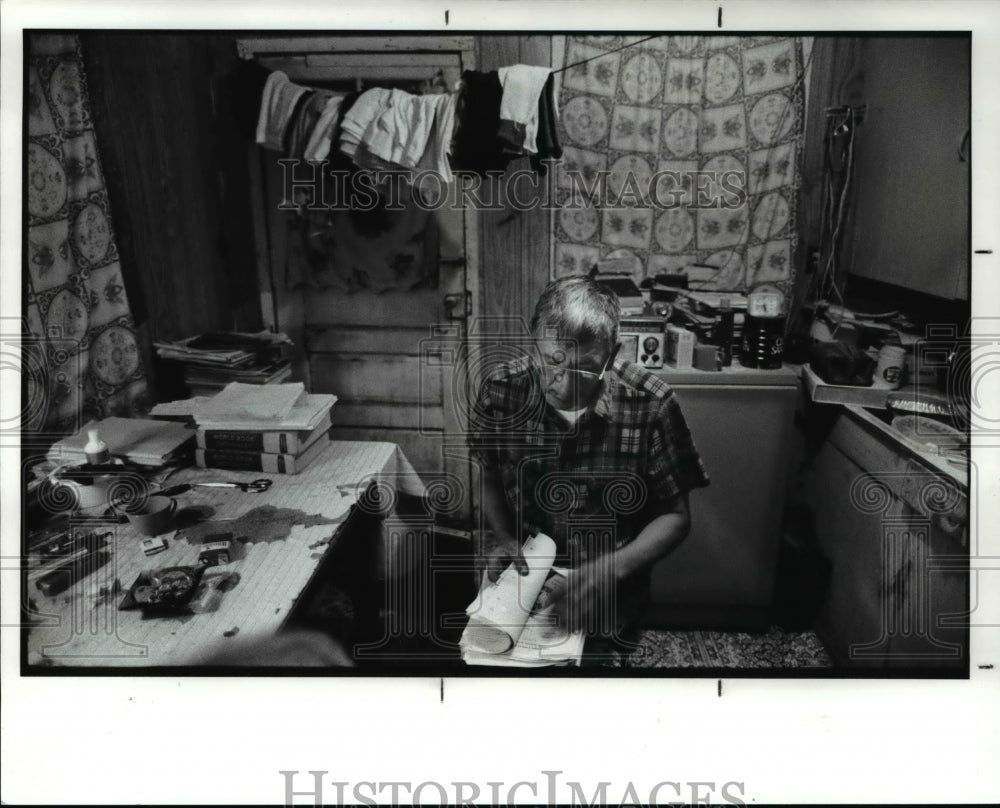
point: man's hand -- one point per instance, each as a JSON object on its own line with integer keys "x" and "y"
{"x": 588, "y": 601}
{"x": 506, "y": 552}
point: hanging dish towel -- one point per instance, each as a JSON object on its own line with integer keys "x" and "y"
{"x": 522, "y": 88}
{"x": 278, "y": 102}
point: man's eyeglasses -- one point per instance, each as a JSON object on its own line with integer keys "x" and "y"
{"x": 557, "y": 372}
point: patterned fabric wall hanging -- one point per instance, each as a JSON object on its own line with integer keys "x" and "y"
{"x": 682, "y": 104}
{"x": 81, "y": 355}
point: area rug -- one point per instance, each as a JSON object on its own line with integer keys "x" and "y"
{"x": 726, "y": 649}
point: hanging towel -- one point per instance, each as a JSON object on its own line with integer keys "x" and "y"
{"x": 401, "y": 131}
{"x": 305, "y": 120}
{"x": 439, "y": 145}
{"x": 522, "y": 88}
{"x": 318, "y": 146}
{"x": 362, "y": 114}
{"x": 278, "y": 102}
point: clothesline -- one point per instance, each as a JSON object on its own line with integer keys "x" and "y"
{"x": 607, "y": 53}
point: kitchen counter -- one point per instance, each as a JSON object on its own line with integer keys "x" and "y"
{"x": 927, "y": 457}
{"x": 878, "y": 427}
{"x": 735, "y": 374}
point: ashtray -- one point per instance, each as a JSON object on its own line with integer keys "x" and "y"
{"x": 163, "y": 590}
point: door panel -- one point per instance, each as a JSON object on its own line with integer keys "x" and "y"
{"x": 367, "y": 347}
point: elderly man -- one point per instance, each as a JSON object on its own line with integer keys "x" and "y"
{"x": 590, "y": 449}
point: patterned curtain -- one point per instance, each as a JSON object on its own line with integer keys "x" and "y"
{"x": 81, "y": 354}
{"x": 695, "y": 108}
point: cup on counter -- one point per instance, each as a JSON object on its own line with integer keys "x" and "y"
{"x": 889, "y": 367}
{"x": 707, "y": 357}
{"x": 154, "y": 516}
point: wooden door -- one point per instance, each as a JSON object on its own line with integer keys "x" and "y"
{"x": 390, "y": 357}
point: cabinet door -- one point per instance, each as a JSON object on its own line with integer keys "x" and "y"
{"x": 931, "y": 595}
{"x": 852, "y": 621}
{"x": 911, "y": 193}
{"x": 728, "y": 560}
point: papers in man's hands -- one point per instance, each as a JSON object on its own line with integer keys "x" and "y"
{"x": 511, "y": 622}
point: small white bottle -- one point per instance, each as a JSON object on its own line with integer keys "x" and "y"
{"x": 96, "y": 449}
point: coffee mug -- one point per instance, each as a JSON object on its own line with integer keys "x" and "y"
{"x": 154, "y": 516}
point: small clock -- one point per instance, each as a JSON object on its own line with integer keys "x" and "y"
{"x": 766, "y": 300}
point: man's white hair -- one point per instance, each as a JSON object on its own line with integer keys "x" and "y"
{"x": 578, "y": 308}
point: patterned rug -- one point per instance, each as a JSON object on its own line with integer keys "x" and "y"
{"x": 727, "y": 649}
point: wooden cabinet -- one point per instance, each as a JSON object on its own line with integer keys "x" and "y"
{"x": 910, "y": 218}
{"x": 896, "y": 533}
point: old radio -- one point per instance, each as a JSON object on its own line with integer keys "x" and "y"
{"x": 642, "y": 340}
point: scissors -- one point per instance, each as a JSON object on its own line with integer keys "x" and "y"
{"x": 254, "y": 486}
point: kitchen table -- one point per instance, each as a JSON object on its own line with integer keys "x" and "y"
{"x": 282, "y": 537}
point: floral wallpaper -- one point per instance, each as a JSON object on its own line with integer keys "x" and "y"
{"x": 680, "y": 152}
{"x": 80, "y": 357}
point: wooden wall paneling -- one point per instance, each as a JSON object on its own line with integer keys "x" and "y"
{"x": 182, "y": 220}
{"x": 536, "y": 225}
{"x": 514, "y": 245}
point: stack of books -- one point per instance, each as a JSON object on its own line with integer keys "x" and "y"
{"x": 211, "y": 361}
{"x": 275, "y": 430}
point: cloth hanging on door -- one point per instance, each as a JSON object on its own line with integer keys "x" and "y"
{"x": 356, "y": 120}
{"x": 318, "y": 145}
{"x": 80, "y": 354}
{"x": 402, "y": 130}
{"x": 376, "y": 251}
{"x": 277, "y": 107}
{"x": 305, "y": 120}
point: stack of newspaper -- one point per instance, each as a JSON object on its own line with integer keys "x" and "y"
{"x": 209, "y": 362}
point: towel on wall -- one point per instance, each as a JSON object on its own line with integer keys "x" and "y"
{"x": 278, "y": 104}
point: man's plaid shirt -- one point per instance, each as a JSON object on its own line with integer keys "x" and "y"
{"x": 594, "y": 485}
